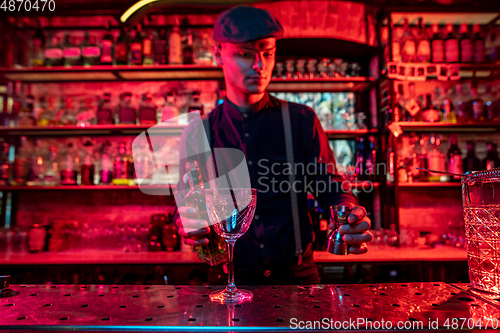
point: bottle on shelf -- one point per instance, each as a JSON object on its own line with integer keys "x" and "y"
{"x": 448, "y": 110}
{"x": 136, "y": 47}
{"x": 196, "y": 105}
{"x": 105, "y": 112}
{"x": 359, "y": 164}
{"x": 107, "y": 49}
{"x": 122, "y": 48}
{"x": 5, "y": 165}
{"x": 493, "y": 106}
{"x": 397, "y": 34}
{"x": 72, "y": 51}
{"x": 121, "y": 166}
{"x": 371, "y": 160}
{"x": 21, "y": 46}
{"x": 437, "y": 45}
{"x": 436, "y": 159}
{"x": 86, "y": 116}
{"x": 430, "y": 113}
{"x": 422, "y": 149}
{"x": 160, "y": 48}
{"x": 478, "y": 44}
{"x": 175, "y": 44}
{"x": 26, "y": 117}
{"x": 203, "y": 54}
{"x": 320, "y": 223}
{"x": 38, "y": 44}
{"x": 21, "y": 160}
{"x": 48, "y": 114}
{"x": 423, "y": 53}
{"x": 187, "y": 51}
{"x": 492, "y": 45}
{"x": 88, "y": 165}
{"x": 471, "y": 162}
{"x": 397, "y": 113}
{"x": 491, "y": 161}
{"x": 408, "y": 43}
{"x": 170, "y": 237}
{"x": 126, "y": 114}
{"x": 8, "y": 47}
{"x": 147, "y": 45}
{"x": 477, "y": 106}
{"x": 462, "y": 105}
{"x": 106, "y": 165}
{"x": 455, "y": 164}
{"x": 412, "y": 105}
{"x": 36, "y": 165}
{"x": 91, "y": 53}
{"x": 147, "y": 111}
{"x": 143, "y": 165}
{"x": 169, "y": 112}
{"x": 67, "y": 116}
{"x": 53, "y": 53}
{"x": 451, "y": 46}
{"x": 51, "y": 175}
{"x": 69, "y": 166}
{"x": 465, "y": 44}
{"x": 214, "y": 253}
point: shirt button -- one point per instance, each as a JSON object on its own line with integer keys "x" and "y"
{"x": 245, "y": 115}
{"x": 256, "y": 217}
{"x": 261, "y": 246}
{"x": 267, "y": 273}
{"x": 247, "y": 135}
{"x": 250, "y": 162}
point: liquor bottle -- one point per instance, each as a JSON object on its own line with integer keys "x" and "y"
{"x": 136, "y": 47}
{"x": 437, "y": 45}
{"x": 26, "y": 117}
{"x": 87, "y": 166}
{"x": 465, "y": 44}
{"x": 20, "y": 169}
{"x": 147, "y": 111}
{"x": 48, "y": 115}
{"x": 160, "y": 48}
{"x": 91, "y": 53}
{"x": 412, "y": 106}
{"x": 105, "y": 112}
{"x": 121, "y": 48}
{"x": 371, "y": 160}
{"x": 471, "y": 162}
{"x": 451, "y": 46}
{"x": 126, "y": 113}
{"x": 147, "y": 47}
{"x": 38, "y": 43}
{"x": 477, "y": 106}
{"x": 107, "y": 47}
{"x": 397, "y": 34}
{"x": 21, "y": 46}
{"x": 320, "y": 224}
{"x": 51, "y": 175}
{"x": 462, "y": 106}
{"x": 72, "y": 51}
{"x": 448, "y": 111}
{"x": 430, "y": 113}
{"x": 143, "y": 165}
{"x": 86, "y": 116}
{"x": 8, "y": 47}
{"x": 170, "y": 237}
{"x": 492, "y": 45}
{"x": 435, "y": 158}
{"x": 493, "y": 106}
{"x": 130, "y": 166}
{"x": 36, "y": 164}
{"x": 422, "y": 149}
{"x": 359, "y": 166}
{"x": 214, "y": 253}
{"x": 168, "y": 112}
{"x": 408, "y": 43}
{"x": 478, "y": 45}
{"x": 53, "y": 53}
{"x": 195, "y": 106}
{"x": 174, "y": 45}
{"x": 68, "y": 170}
{"x": 67, "y": 114}
{"x": 187, "y": 52}
{"x": 423, "y": 53}
{"x": 491, "y": 161}
{"x": 16, "y": 103}
{"x": 203, "y": 54}
{"x": 121, "y": 166}
{"x": 5, "y": 166}
{"x": 398, "y": 108}
{"x": 106, "y": 165}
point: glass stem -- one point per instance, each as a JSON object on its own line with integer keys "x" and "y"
{"x": 230, "y": 276}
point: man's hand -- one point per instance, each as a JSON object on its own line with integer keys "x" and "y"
{"x": 190, "y": 228}
{"x": 356, "y": 233}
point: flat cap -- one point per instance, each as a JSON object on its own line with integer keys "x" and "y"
{"x": 243, "y": 24}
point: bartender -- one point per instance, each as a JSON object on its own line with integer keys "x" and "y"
{"x": 277, "y": 248}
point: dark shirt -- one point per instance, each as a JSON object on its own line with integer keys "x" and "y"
{"x": 269, "y": 243}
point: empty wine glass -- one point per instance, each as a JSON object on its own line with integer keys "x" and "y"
{"x": 230, "y": 212}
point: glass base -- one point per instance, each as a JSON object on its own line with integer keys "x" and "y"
{"x": 231, "y": 296}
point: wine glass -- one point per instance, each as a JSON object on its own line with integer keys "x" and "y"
{"x": 230, "y": 212}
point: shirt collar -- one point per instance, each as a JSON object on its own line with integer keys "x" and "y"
{"x": 266, "y": 102}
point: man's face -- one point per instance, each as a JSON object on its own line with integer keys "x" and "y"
{"x": 248, "y": 67}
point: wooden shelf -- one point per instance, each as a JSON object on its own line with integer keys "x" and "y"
{"x": 88, "y": 130}
{"x": 425, "y": 185}
{"x": 466, "y": 71}
{"x": 446, "y": 127}
{"x": 89, "y": 188}
{"x": 349, "y": 134}
{"x": 341, "y": 84}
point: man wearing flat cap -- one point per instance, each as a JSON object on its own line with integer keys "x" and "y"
{"x": 277, "y": 248}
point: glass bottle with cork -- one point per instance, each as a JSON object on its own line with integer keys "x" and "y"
{"x": 215, "y": 252}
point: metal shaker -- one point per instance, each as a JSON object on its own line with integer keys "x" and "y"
{"x": 336, "y": 244}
